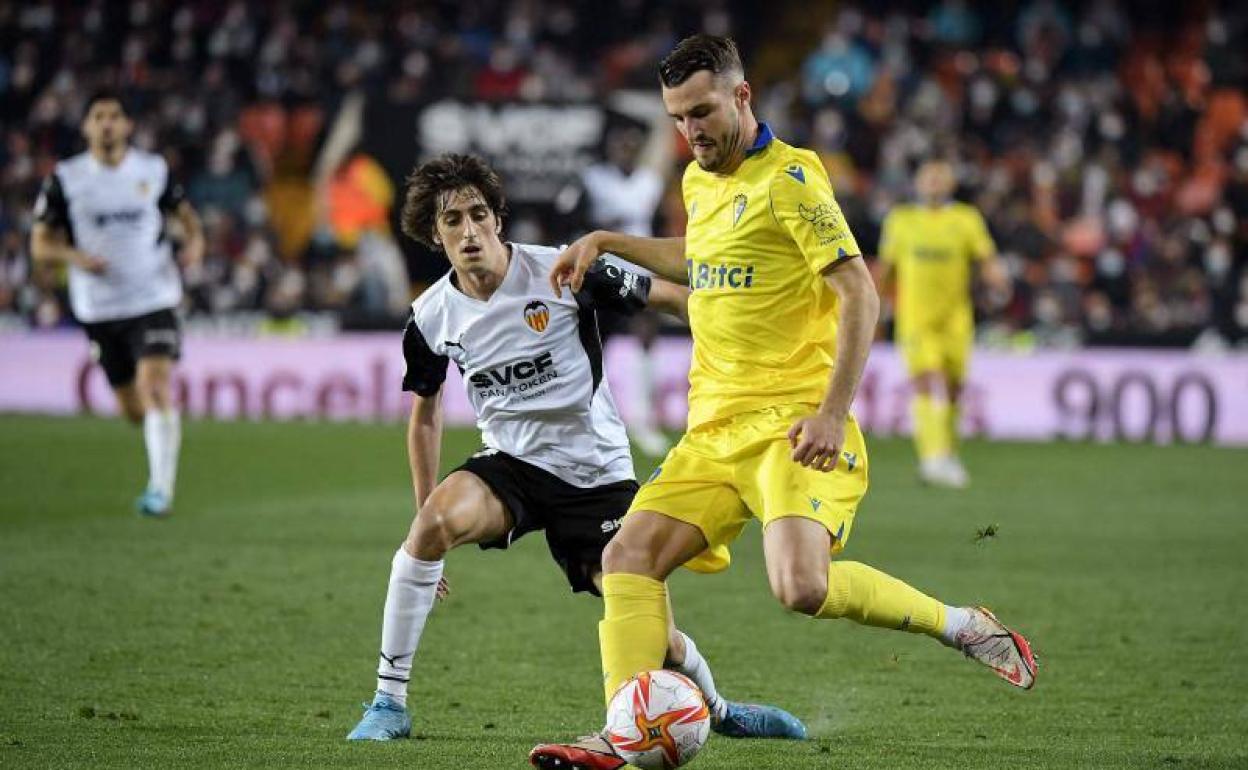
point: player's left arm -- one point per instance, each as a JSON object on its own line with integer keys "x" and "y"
{"x": 818, "y": 438}
{"x": 987, "y": 265}
{"x": 193, "y": 234}
{"x": 173, "y": 202}
{"x": 803, "y": 203}
{"x": 670, "y": 298}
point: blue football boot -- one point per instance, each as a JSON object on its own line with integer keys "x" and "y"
{"x": 154, "y": 504}
{"x": 750, "y": 720}
{"x": 384, "y": 720}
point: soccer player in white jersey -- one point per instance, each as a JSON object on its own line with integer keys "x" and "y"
{"x": 556, "y": 456}
{"x": 102, "y": 213}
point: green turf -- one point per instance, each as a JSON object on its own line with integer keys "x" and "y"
{"x": 243, "y": 632}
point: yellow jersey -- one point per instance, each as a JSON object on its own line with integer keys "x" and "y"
{"x": 931, "y": 250}
{"x": 762, "y": 317}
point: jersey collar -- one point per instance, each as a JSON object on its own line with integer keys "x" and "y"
{"x": 764, "y": 138}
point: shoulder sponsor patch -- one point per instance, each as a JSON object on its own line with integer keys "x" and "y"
{"x": 826, "y": 219}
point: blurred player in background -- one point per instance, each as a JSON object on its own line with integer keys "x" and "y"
{"x": 932, "y": 250}
{"x": 102, "y": 213}
{"x": 623, "y": 193}
{"x": 556, "y": 456}
{"x": 782, "y": 311}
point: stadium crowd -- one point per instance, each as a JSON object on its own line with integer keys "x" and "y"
{"x": 1106, "y": 143}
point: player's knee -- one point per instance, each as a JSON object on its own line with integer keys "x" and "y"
{"x": 155, "y": 392}
{"x": 133, "y": 413}
{"x": 925, "y": 383}
{"x": 623, "y": 554}
{"x": 435, "y": 531}
{"x": 800, "y": 591}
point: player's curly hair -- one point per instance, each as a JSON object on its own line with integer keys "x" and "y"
{"x": 718, "y": 55}
{"x": 430, "y": 181}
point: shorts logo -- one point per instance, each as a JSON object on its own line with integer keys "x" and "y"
{"x": 537, "y": 316}
{"x": 851, "y": 460}
{"x": 160, "y": 337}
{"x": 738, "y": 208}
{"x": 815, "y": 504}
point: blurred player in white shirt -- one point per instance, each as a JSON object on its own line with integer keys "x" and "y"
{"x": 623, "y": 193}
{"x": 103, "y": 214}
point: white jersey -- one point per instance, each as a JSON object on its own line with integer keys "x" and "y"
{"x": 620, "y": 201}
{"x": 623, "y": 202}
{"x": 117, "y": 213}
{"x": 531, "y": 363}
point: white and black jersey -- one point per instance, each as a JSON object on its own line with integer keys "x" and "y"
{"x": 116, "y": 213}
{"x": 531, "y": 363}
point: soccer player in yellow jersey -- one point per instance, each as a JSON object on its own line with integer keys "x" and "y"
{"x": 782, "y": 313}
{"x": 931, "y": 250}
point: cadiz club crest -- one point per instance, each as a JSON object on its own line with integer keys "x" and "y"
{"x": 537, "y": 316}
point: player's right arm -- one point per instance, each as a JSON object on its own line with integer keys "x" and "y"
{"x": 665, "y": 257}
{"x": 48, "y": 243}
{"x": 988, "y": 265}
{"x": 424, "y": 444}
{"x": 888, "y": 253}
{"x": 425, "y": 373}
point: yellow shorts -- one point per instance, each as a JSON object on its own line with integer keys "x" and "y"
{"x": 726, "y": 471}
{"x": 942, "y": 349}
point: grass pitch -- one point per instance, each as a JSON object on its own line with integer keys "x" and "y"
{"x": 243, "y": 631}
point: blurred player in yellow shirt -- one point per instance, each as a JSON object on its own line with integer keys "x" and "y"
{"x": 931, "y": 250}
{"x": 782, "y": 311}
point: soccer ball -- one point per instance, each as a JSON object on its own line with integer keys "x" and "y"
{"x": 658, "y": 720}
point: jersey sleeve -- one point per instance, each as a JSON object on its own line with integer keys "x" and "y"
{"x": 804, "y": 206}
{"x": 51, "y": 208}
{"x": 612, "y": 287}
{"x": 172, "y": 196}
{"x": 981, "y": 244}
{"x": 426, "y": 370}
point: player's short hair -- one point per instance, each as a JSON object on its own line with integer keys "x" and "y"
{"x": 446, "y": 174}
{"x": 717, "y": 55}
{"x": 105, "y": 95}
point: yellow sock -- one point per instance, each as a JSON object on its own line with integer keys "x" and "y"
{"x": 633, "y": 631}
{"x": 931, "y": 426}
{"x": 868, "y": 596}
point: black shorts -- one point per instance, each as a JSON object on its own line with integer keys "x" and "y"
{"x": 118, "y": 345}
{"x": 578, "y": 522}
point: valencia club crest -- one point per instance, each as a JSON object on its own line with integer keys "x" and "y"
{"x": 537, "y": 316}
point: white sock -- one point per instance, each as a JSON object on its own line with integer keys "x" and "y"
{"x": 172, "y": 447}
{"x": 162, "y": 435}
{"x": 956, "y": 619}
{"x": 413, "y": 588}
{"x": 696, "y": 668}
